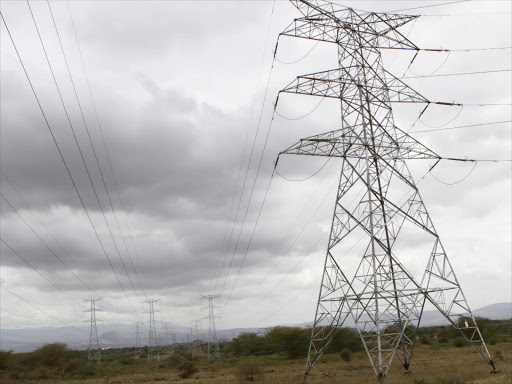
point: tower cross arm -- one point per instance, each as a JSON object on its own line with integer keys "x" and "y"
{"x": 329, "y": 22}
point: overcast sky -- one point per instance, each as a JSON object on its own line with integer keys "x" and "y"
{"x": 176, "y": 89}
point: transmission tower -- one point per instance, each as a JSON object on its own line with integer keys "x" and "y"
{"x": 153, "y": 345}
{"x": 383, "y": 298}
{"x": 213, "y": 344}
{"x": 173, "y": 342}
{"x": 166, "y": 339}
{"x": 138, "y": 342}
{"x": 195, "y": 335}
{"x": 94, "y": 350}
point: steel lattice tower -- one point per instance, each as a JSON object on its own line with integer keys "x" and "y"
{"x": 213, "y": 344}
{"x": 138, "y": 342}
{"x": 195, "y": 335}
{"x": 94, "y": 350}
{"x": 166, "y": 339}
{"x": 153, "y": 345}
{"x": 383, "y": 298}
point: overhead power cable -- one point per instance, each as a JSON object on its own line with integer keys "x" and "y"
{"x": 464, "y": 49}
{"x": 429, "y": 6}
{"x": 300, "y": 59}
{"x": 92, "y": 147}
{"x": 243, "y": 153}
{"x": 250, "y": 199}
{"x": 47, "y": 230}
{"x": 39, "y": 272}
{"x": 62, "y": 157}
{"x": 250, "y": 240}
{"x": 456, "y": 182}
{"x": 43, "y": 311}
{"x": 458, "y": 74}
{"x": 463, "y": 126}
{"x": 256, "y": 176}
{"x": 467, "y": 14}
{"x": 303, "y": 116}
{"x": 102, "y": 139}
{"x": 308, "y": 177}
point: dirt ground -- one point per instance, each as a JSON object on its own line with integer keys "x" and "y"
{"x": 429, "y": 366}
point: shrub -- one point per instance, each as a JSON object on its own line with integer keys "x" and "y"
{"x": 87, "y": 370}
{"x": 293, "y": 341}
{"x": 346, "y": 355}
{"x": 250, "y": 370}
{"x": 493, "y": 340}
{"x": 459, "y": 342}
{"x": 345, "y": 338}
{"x": 442, "y": 340}
{"x": 187, "y": 365}
{"x": 52, "y": 355}
{"x": 126, "y": 361}
{"x": 5, "y": 358}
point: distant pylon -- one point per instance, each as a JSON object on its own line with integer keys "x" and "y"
{"x": 213, "y": 344}
{"x": 166, "y": 340}
{"x": 173, "y": 341}
{"x": 138, "y": 343}
{"x": 196, "y": 336}
{"x": 153, "y": 344}
{"x": 94, "y": 350}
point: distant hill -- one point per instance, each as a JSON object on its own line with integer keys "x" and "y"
{"x": 123, "y": 335}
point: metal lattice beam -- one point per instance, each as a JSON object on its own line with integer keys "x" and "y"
{"x": 383, "y": 299}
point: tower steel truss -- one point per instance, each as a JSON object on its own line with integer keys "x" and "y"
{"x": 213, "y": 344}
{"x": 94, "y": 350}
{"x": 153, "y": 343}
{"x": 383, "y": 299}
{"x": 138, "y": 341}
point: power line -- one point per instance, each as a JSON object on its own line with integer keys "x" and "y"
{"x": 243, "y": 152}
{"x": 250, "y": 239}
{"x": 456, "y": 182}
{"x": 429, "y": 6}
{"x": 463, "y": 126}
{"x": 305, "y": 178}
{"x": 459, "y": 74}
{"x": 468, "y": 14}
{"x": 62, "y": 156}
{"x": 42, "y": 310}
{"x": 36, "y": 270}
{"x": 90, "y": 140}
{"x": 47, "y": 230}
{"x": 300, "y": 59}
{"x": 106, "y": 151}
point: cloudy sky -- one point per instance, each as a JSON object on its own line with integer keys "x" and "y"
{"x": 180, "y": 90}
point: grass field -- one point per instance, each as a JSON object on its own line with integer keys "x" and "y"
{"x": 431, "y": 365}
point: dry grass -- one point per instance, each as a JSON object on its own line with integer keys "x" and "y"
{"x": 431, "y": 365}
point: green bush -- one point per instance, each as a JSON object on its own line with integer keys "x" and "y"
{"x": 293, "y": 341}
{"x": 443, "y": 340}
{"x": 459, "y": 342}
{"x": 345, "y": 338}
{"x": 187, "y": 365}
{"x": 52, "y": 355}
{"x": 250, "y": 370}
{"x": 126, "y": 361}
{"x": 346, "y": 355}
{"x": 5, "y": 359}
{"x": 86, "y": 370}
